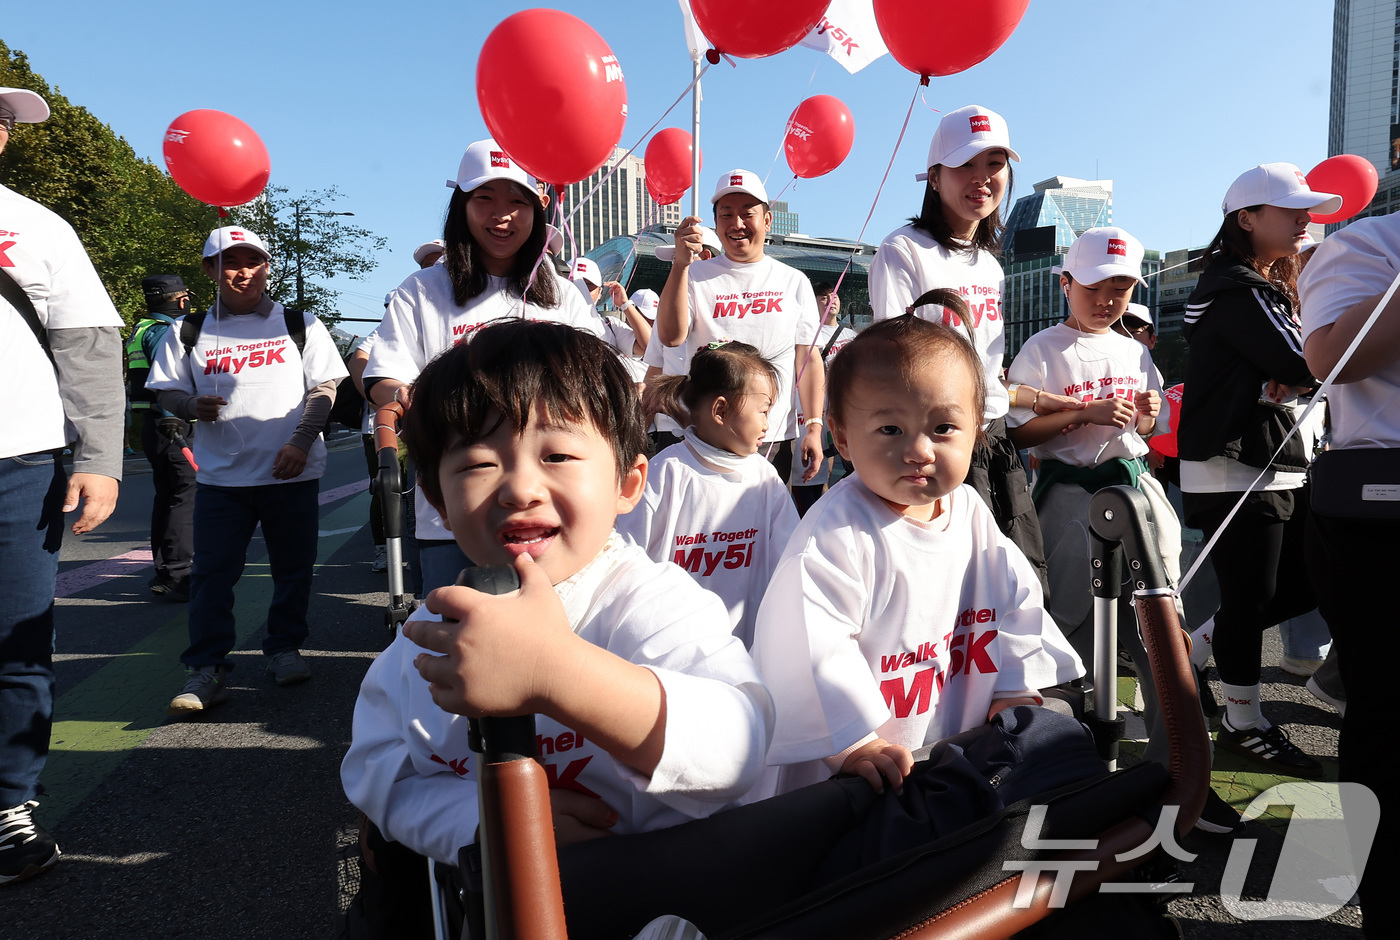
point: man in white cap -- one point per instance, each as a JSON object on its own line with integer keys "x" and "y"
{"x": 746, "y": 296}
{"x": 61, "y": 353}
{"x": 429, "y": 253}
{"x": 588, "y": 279}
{"x": 261, "y": 380}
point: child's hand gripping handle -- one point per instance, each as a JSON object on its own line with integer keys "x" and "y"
{"x": 521, "y": 863}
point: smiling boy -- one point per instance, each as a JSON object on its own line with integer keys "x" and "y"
{"x": 530, "y": 443}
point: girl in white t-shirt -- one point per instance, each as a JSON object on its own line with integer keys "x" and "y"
{"x": 899, "y": 613}
{"x": 713, "y": 505}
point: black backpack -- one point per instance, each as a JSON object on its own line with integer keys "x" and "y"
{"x": 348, "y": 408}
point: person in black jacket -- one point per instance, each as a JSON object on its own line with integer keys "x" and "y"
{"x": 1246, "y": 361}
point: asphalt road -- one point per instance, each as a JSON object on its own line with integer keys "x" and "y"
{"x": 234, "y": 825}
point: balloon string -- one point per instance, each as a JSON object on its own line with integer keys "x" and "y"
{"x": 544, "y": 253}
{"x": 925, "y": 101}
{"x": 616, "y": 165}
{"x": 902, "y": 130}
{"x": 782, "y": 141}
{"x": 783, "y": 190}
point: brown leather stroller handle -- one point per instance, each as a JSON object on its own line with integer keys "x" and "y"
{"x": 529, "y": 904}
{"x": 386, "y": 426}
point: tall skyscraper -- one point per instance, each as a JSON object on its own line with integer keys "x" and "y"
{"x": 1364, "y": 112}
{"x": 622, "y": 206}
{"x": 784, "y": 221}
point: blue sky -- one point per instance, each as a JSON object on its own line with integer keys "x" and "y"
{"x": 1170, "y": 100}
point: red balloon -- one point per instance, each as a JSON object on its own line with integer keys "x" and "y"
{"x": 819, "y": 136}
{"x": 943, "y": 37}
{"x": 552, "y": 94}
{"x": 753, "y": 30}
{"x": 1349, "y": 176}
{"x": 216, "y": 158}
{"x": 668, "y": 162}
{"x": 1165, "y": 444}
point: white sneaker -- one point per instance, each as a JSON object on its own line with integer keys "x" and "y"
{"x": 381, "y": 560}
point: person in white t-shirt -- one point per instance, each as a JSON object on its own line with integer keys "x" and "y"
{"x": 954, "y": 242}
{"x": 495, "y": 267}
{"x": 830, "y": 339}
{"x": 648, "y": 711}
{"x": 61, "y": 355}
{"x": 749, "y": 297}
{"x": 631, "y": 335}
{"x": 429, "y": 253}
{"x": 262, "y": 396}
{"x": 713, "y": 505}
{"x": 899, "y": 613}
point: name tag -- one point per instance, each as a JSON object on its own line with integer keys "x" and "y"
{"x": 1381, "y": 492}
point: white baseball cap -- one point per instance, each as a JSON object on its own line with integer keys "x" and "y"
{"x": 739, "y": 181}
{"x": 1277, "y": 184}
{"x": 25, "y": 105}
{"x": 647, "y": 301}
{"x": 966, "y": 132}
{"x": 1102, "y": 253}
{"x": 428, "y": 248}
{"x": 586, "y": 270}
{"x": 232, "y": 236}
{"x": 485, "y": 161}
{"x": 707, "y": 237}
{"x": 1138, "y": 312}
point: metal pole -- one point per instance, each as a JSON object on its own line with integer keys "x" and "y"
{"x": 695, "y": 142}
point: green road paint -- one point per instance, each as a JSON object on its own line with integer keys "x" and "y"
{"x": 110, "y": 713}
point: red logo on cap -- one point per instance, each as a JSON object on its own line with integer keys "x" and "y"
{"x": 499, "y": 159}
{"x": 1116, "y": 246}
{"x": 1302, "y": 180}
{"x": 736, "y": 180}
{"x": 980, "y": 123}
{"x": 237, "y": 236}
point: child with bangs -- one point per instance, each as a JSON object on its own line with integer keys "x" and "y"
{"x": 899, "y": 614}
{"x": 529, "y": 442}
{"x": 712, "y": 504}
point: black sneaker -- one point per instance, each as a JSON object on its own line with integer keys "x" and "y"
{"x": 26, "y": 849}
{"x": 1219, "y": 817}
{"x": 170, "y": 589}
{"x": 1271, "y": 748}
{"x": 1209, "y": 706}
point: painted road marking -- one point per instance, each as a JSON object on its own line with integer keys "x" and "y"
{"x": 115, "y": 709}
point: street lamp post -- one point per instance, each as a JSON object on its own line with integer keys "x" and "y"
{"x": 296, "y": 220}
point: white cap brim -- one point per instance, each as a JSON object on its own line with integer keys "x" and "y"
{"x": 967, "y": 151}
{"x": 1102, "y": 272}
{"x": 1319, "y": 203}
{"x": 28, "y": 106}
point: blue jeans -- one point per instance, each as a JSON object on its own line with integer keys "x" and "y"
{"x": 224, "y": 520}
{"x": 31, "y": 531}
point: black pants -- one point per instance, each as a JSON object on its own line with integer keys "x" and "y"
{"x": 1259, "y": 564}
{"x": 999, "y": 477}
{"x": 172, "y": 509}
{"x": 1348, "y": 561}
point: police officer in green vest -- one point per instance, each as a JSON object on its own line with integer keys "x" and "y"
{"x": 163, "y": 437}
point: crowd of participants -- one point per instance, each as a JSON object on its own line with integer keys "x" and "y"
{"x": 763, "y": 547}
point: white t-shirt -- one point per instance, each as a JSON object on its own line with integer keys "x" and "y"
{"x": 726, "y": 527}
{"x": 1348, "y": 267}
{"x": 909, "y": 263}
{"x": 766, "y": 304}
{"x": 423, "y": 321}
{"x": 410, "y": 769}
{"x": 621, "y": 337}
{"x": 1087, "y": 366}
{"x": 251, "y": 361}
{"x": 874, "y": 622}
{"x": 799, "y": 418}
{"x": 41, "y": 252}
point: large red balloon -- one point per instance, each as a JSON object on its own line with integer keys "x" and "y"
{"x": 552, "y": 94}
{"x": 752, "y": 30}
{"x": 819, "y": 136}
{"x": 216, "y": 158}
{"x": 1349, "y": 176}
{"x": 669, "y": 165}
{"x": 943, "y": 37}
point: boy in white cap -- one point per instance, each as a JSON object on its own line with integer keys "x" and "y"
{"x": 261, "y": 380}
{"x": 588, "y": 279}
{"x": 429, "y": 253}
{"x": 744, "y": 295}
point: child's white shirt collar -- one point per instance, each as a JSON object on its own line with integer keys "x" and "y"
{"x": 577, "y": 591}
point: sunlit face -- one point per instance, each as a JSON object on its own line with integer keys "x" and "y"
{"x": 912, "y": 444}
{"x": 971, "y": 192}
{"x": 500, "y": 218}
{"x": 430, "y": 259}
{"x": 1094, "y": 308}
{"x": 241, "y": 273}
{"x": 1275, "y": 232}
{"x": 742, "y": 222}
{"x": 739, "y": 427}
{"x": 833, "y": 311}
{"x": 551, "y": 492}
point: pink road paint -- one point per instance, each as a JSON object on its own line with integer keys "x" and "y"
{"x": 80, "y": 579}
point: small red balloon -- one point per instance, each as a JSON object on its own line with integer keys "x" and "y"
{"x": 216, "y": 158}
{"x": 819, "y": 136}
{"x": 752, "y": 30}
{"x": 1349, "y": 176}
{"x": 669, "y": 165}
{"x": 552, "y": 94}
{"x": 944, "y": 37}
